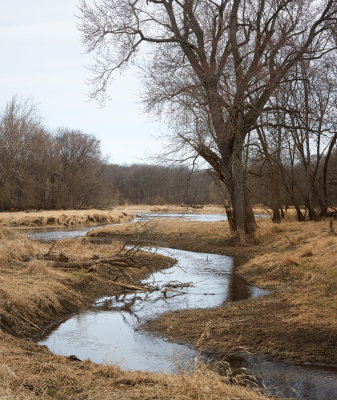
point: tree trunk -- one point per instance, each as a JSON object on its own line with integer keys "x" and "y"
{"x": 250, "y": 223}
{"x": 275, "y": 197}
{"x": 325, "y": 174}
{"x": 244, "y": 219}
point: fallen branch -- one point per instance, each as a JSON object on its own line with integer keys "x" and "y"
{"x": 173, "y": 290}
{"x": 127, "y": 286}
{"x": 145, "y": 288}
{"x": 118, "y": 261}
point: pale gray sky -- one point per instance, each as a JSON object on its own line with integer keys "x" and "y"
{"x": 42, "y": 58}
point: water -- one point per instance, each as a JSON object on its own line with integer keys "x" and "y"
{"x": 50, "y": 234}
{"x": 286, "y": 380}
{"x": 108, "y": 331}
{"x": 187, "y": 217}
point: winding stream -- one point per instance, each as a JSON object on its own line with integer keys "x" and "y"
{"x": 109, "y": 331}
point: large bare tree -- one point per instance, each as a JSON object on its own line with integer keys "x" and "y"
{"x": 224, "y": 57}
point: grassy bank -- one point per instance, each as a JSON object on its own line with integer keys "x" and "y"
{"x": 63, "y": 218}
{"x": 30, "y": 372}
{"x": 35, "y": 291}
{"x": 297, "y": 261}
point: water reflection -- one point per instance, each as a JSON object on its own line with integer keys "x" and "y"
{"x": 287, "y": 380}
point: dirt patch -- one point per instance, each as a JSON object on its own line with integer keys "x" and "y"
{"x": 298, "y": 261}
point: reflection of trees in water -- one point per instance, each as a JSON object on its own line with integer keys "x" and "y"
{"x": 238, "y": 289}
{"x": 131, "y": 306}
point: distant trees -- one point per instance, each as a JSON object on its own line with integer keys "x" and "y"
{"x": 151, "y": 184}
{"x": 42, "y": 170}
{"x": 290, "y": 160}
{"x": 66, "y": 169}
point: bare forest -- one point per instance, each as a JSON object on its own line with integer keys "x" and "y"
{"x": 66, "y": 169}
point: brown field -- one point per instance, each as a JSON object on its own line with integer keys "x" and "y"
{"x": 63, "y": 218}
{"x": 297, "y": 261}
{"x": 35, "y": 293}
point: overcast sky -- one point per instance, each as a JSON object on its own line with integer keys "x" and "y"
{"x": 42, "y": 58}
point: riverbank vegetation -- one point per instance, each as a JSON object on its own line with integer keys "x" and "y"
{"x": 63, "y": 218}
{"x": 30, "y": 372}
{"x": 295, "y": 260}
{"x": 34, "y": 293}
{"x": 53, "y": 286}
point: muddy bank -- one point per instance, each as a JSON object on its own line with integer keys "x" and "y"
{"x": 296, "y": 260}
{"x": 63, "y": 218}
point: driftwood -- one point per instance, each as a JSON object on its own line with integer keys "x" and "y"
{"x": 331, "y": 227}
{"x": 118, "y": 261}
{"x": 145, "y": 288}
{"x": 62, "y": 261}
{"x": 127, "y": 286}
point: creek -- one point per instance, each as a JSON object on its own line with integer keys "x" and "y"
{"x": 110, "y": 330}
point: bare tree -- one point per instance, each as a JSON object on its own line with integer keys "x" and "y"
{"x": 81, "y": 166}
{"x": 224, "y": 56}
{"x": 18, "y": 123}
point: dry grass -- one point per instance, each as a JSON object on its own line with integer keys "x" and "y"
{"x": 30, "y": 372}
{"x": 63, "y": 217}
{"x": 33, "y": 294}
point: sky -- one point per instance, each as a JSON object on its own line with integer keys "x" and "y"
{"x": 43, "y": 59}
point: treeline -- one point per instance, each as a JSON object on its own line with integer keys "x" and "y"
{"x": 288, "y": 186}
{"x": 149, "y": 184}
{"x": 292, "y": 153}
{"x": 66, "y": 169}
{"x": 286, "y": 165}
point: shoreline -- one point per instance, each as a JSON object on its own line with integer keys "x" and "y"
{"x": 288, "y": 266}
